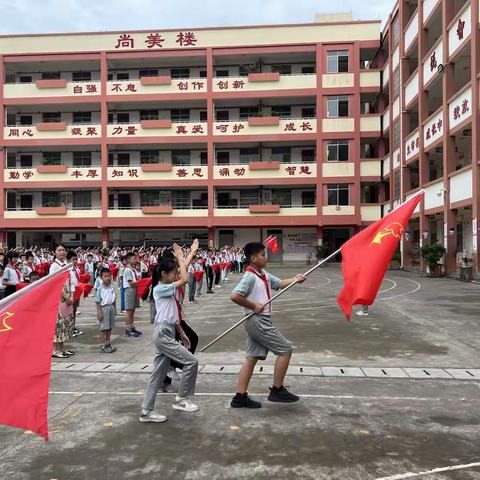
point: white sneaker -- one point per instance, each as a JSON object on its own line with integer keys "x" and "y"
{"x": 185, "y": 405}
{"x": 146, "y": 417}
{"x": 174, "y": 375}
{"x": 360, "y": 313}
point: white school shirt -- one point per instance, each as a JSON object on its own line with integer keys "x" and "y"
{"x": 74, "y": 277}
{"x": 105, "y": 295}
{"x": 165, "y": 303}
{"x": 251, "y": 286}
{"x": 129, "y": 274}
{"x": 89, "y": 267}
{"x": 12, "y": 274}
{"x": 26, "y": 270}
{"x": 57, "y": 265}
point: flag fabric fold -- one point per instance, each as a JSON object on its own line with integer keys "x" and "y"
{"x": 272, "y": 243}
{"x": 365, "y": 257}
{"x": 27, "y": 327}
{"x": 143, "y": 285}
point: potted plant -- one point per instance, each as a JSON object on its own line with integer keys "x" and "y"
{"x": 432, "y": 254}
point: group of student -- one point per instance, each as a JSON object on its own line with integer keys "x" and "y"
{"x": 172, "y": 269}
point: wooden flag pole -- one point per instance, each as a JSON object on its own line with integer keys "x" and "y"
{"x": 308, "y": 272}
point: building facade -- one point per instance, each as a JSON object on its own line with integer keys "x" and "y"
{"x": 430, "y": 97}
{"x": 228, "y": 134}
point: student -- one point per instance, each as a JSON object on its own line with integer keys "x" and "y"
{"x": 121, "y": 270}
{"x": 34, "y": 277}
{"x": 209, "y": 271}
{"x": 106, "y": 309}
{"x": 199, "y": 272}
{"x": 168, "y": 349}
{"x": 74, "y": 281}
{"x": 192, "y": 283}
{"x": 11, "y": 273}
{"x": 29, "y": 265}
{"x": 130, "y": 279}
{"x": 252, "y": 292}
{"x": 2, "y": 286}
{"x": 90, "y": 268}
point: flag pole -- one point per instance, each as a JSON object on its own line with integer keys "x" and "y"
{"x": 308, "y": 272}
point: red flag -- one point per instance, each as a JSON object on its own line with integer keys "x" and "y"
{"x": 143, "y": 285}
{"x": 365, "y": 257}
{"x": 272, "y": 244}
{"x": 27, "y": 325}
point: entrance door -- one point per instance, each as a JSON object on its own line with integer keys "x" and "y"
{"x": 225, "y": 237}
{"x": 335, "y": 238}
{"x": 276, "y": 257}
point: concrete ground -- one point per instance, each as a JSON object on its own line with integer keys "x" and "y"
{"x": 391, "y": 396}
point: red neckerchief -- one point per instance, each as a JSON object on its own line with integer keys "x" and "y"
{"x": 263, "y": 277}
{"x": 133, "y": 270}
{"x": 17, "y": 271}
{"x": 77, "y": 273}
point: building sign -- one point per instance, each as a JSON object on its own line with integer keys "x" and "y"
{"x": 461, "y": 108}
{"x": 300, "y": 242}
{"x": 24, "y": 133}
{"x": 155, "y": 40}
{"x": 460, "y": 30}
{"x": 433, "y": 129}
{"x": 31, "y": 175}
{"x": 177, "y": 129}
{"x": 430, "y": 67}
{"x": 412, "y": 145}
{"x": 135, "y": 86}
{"x": 285, "y": 126}
{"x": 189, "y": 172}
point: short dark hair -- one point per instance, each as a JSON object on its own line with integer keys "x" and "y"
{"x": 129, "y": 255}
{"x": 33, "y": 274}
{"x": 253, "y": 248}
{"x": 29, "y": 254}
{"x": 105, "y": 270}
{"x": 71, "y": 254}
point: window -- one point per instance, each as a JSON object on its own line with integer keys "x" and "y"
{"x": 149, "y": 198}
{"x": 51, "y": 199}
{"x": 148, "y": 115}
{"x": 308, "y": 156}
{"x": 180, "y": 73}
{"x": 203, "y": 115}
{"x": 82, "y": 200}
{"x": 282, "y": 111}
{"x": 246, "y": 112}
{"x": 123, "y": 159}
{"x": 396, "y": 185}
{"x": 52, "y": 158}
{"x": 26, "y": 161}
{"x": 282, "y": 69}
{"x": 81, "y": 76}
{"x": 81, "y": 117}
{"x": 282, "y": 197}
{"x": 337, "y": 106}
{"x": 337, "y": 61}
{"x": 396, "y": 83}
{"x": 26, "y": 120}
{"x": 50, "y": 75}
{"x": 203, "y": 158}
{"x": 244, "y": 70}
{"x": 181, "y": 199}
{"x": 249, "y": 197}
{"x": 82, "y": 159}
{"x": 337, "y": 151}
{"x": 149, "y": 156}
{"x": 123, "y": 76}
{"x": 123, "y": 117}
{"x": 25, "y": 79}
{"x": 337, "y": 194}
{"x": 148, "y": 72}
{"x": 369, "y": 193}
{"x": 308, "y": 69}
{"x": 308, "y": 198}
{"x": 308, "y": 112}
{"x": 222, "y": 73}
{"x": 223, "y": 158}
{"x": 51, "y": 117}
{"x": 396, "y": 31}
{"x": 222, "y": 115}
{"x": 203, "y": 74}
{"x": 180, "y": 157}
{"x": 180, "y": 115}
{"x": 282, "y": 154}
{"x": 396, "y": 134}
{"x": 249, "y": 155}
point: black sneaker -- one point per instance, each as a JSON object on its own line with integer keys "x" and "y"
{"x": 210, "y": 291}
{"x": 134, "y": 330}
{"x": 77, "y": 332}
{"x": 242, "y": 400}
{"x": 131, "y": 333}
{"x": 282, "y": 395}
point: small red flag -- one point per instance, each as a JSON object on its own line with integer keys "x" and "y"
{"x": 27, "y": 325}
{"x": 143, "y": 285}
{"x": 272, "y": 244}
{"x": 365, "y": 257}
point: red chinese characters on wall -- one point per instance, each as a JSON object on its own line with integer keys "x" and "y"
{"x": 462, "y": 110}
{"x": 460, "y": 28}
{"x": 155, "y": 40}
{"x": 87, "y": 88}
{"x": 73, "y": 131}
{"x": 433, "y": 129}
{"x": 413, "y": 146}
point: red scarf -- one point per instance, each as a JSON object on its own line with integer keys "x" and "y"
{"x": 17, "y": 271}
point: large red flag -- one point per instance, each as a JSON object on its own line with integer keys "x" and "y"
{"x": 365, "y": 257}
{"x": 27, "y": 327}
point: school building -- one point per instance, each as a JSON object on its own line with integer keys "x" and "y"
{"x": 306, "y": 131}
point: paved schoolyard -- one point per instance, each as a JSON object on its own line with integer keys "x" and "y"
{"x": 382, "y": 396}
